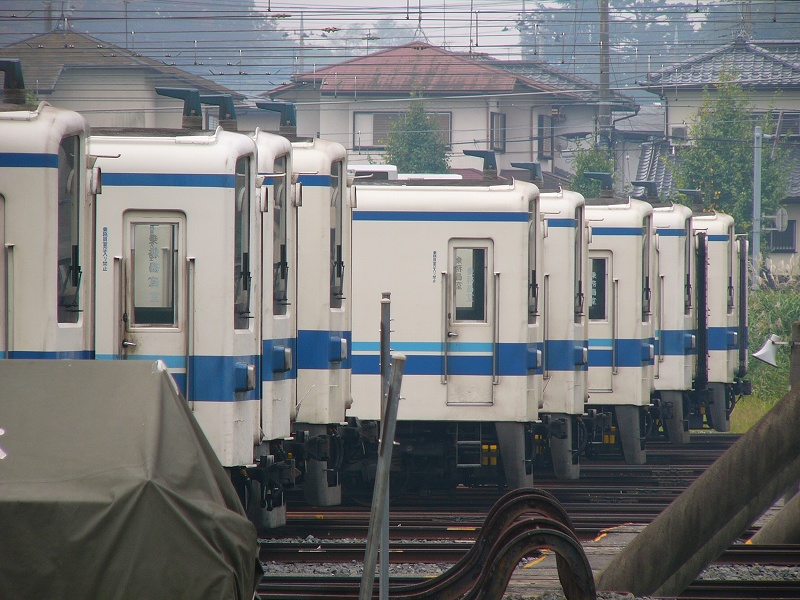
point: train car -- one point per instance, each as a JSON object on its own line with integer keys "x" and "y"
{"x": 722, "y": 320}
{"x": 323, "y": 313}
{"x": 621, "y": 335}
{"x": 47, "y": 194}
{"x": 460, "y": 262}
{"x": 675, "y": 319}
{"x": 179, "y": 279}
{"x": 566, "y": 342}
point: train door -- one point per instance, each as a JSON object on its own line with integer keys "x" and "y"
{"x": 470, "y": 343}
{"x": 155, "y": 310}
{"x": 602, "y": 322}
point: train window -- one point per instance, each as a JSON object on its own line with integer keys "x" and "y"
{"x": 280, "y": 264}
{"x": 598, "y": 299}
{"x": 337, "y": 260}
{"x": 469, "y": 283}
{"x": 533, "y": 284}
{"x": 154, "y": 265}
{"x": 646, "y": 269}
{"x": 578, "y": 265}
{"x": 241, "y": 266}
{"x": 69, "y": 200}
{"x": 687, "y": 251}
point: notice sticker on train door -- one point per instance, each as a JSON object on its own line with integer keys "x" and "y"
{"x": 434, "y": 266}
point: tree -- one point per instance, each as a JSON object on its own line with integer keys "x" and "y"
{"x": 588, "y": 160}
{"x": 414, "y": 143}
{"x": 719, "y": 160}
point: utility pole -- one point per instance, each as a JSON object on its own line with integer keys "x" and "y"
{"x": 604, "y": 115}
{"x": 756, "y": 202}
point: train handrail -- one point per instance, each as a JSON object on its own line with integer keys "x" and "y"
{"x": 496, "y": 330}
{"x": 9, "y": 301}
{"x": 190, "y": 303}
{"x": 119, "y": 269}
{"x": 445, "y": 327}
{"x": 615, "y": 327}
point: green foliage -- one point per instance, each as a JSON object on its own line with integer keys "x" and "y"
{"x": 415, "y": 144}
{"x": 588, "y": 160}
{"x": 719, "y": 162}
{"x": 771, "y": 311}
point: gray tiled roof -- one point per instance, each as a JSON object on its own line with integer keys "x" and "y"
{"x": 45, "y": 57}
{"x": 767, "y": 64}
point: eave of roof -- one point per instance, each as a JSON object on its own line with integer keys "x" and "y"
{"x": 47, "y": 56}
{"x": 759, "y": 65}
{"x": 419, "y": 67}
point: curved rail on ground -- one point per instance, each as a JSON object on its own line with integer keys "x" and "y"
{"x": 499, "y": 545}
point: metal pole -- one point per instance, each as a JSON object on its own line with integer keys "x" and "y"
{"x": 386, "y": 309}
{"x": 381, "y": 477}
{"x": 756, "y": 203}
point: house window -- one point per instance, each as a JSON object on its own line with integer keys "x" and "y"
{"x": 784, "y": 241}
{"x": 545, "y": 136}
{"x": 497, "y": 133}
{"x": 371, "y": 129}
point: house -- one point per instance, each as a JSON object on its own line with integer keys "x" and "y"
{"x": 523, "y": 110}
{"x": 770, "y": 72}
{"x": 110, "y": 86}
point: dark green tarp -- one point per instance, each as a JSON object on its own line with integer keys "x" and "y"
{"x": 108, "y": 489}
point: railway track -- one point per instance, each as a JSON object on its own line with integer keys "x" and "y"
{"x": 436, "y": 531}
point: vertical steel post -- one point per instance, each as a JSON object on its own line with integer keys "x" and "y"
{"x": 385, "y": 350}
{"x": 756, "y": 203}
{"x": 382, "y": 477}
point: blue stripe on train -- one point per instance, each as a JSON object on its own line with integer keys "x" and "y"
{"x": 629, "y": 353}
{"x": 29, "y": 160}
{"x": 432, "y": 216}
{"x": 54, "y": 355}
{"x": 314, "y": 349}
{"x": 272, "y": 351}
{"x": 511, "y": 361}
{"x": 200, "y": 180}
{"x": 675, "y": 342}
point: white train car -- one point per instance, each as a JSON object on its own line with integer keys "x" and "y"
{"x": 178, "y": 247}
{"x": 675, "y": 318}
{"x": 563, "y": 288}
{"x": 460, "y": 262}
{"x": 323, "y": 311}
{"x": 621, "y": 336}
{"x": 46, "y": 214}
{"x": 722, "y": 257}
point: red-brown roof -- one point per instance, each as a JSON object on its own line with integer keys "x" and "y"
{"x": 413, "y": 67}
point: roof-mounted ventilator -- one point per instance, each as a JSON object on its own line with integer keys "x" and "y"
{"x": 227, "y": 113}
{"x": 192, "y": 108}
{"x": 13, "y": 83}
{"x": 650, "y": 190}
{"x": 288, "y": 116}
{"x": 606, "y": 185}
{"x": 489, "y": 161}
{"x": 535, "y": 170}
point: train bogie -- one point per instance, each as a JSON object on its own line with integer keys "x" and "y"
{"x": 566, "y": 345}
{"x": 460, "y": 263}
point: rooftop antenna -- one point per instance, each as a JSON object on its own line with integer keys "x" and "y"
{"x": 534, "y": 168}
{"x": 288, "y": 116}
{"x": 650, "y": 188}
{"x": 606, "y": 187}
{"x": 227, "y": 113}
{"x": 489, "y": 161}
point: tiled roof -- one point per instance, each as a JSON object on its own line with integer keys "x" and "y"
{"x": 545, "y": 74}
{"x": 653, "y": 166}
{"x": 45, "y": 57}
{"x": 772, "y": 64}
{"x": 419, "y": 67}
